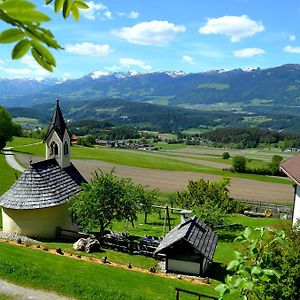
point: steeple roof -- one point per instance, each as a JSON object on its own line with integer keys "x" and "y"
{"x": 58, "y": 123}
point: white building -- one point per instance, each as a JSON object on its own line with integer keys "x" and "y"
{"x": 37, "y": 203}
{"x": 291, "y": 167}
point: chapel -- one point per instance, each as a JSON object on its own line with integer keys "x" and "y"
{"x": 37, "y": 203}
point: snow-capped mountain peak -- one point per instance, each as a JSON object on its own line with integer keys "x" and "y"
{"x": 97, "y": 74}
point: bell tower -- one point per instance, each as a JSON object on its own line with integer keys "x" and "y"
{"x": 58, "y": 140}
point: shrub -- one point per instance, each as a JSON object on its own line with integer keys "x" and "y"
{"x": 239, "y": 164}
{"x": 226, "y": 155}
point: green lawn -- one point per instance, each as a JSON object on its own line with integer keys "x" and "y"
{"x": 7, "y": 175}
{"x": 85, "y": 280}
{"x": 20, "y": 141}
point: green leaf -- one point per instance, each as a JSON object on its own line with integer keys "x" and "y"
{"x": 247, "y": 285}
{"x": 246, "y": 233}
{"x": 58, "y": 5}
{"x": 75, "y": 13}
{"x": 81, "y": 5}
{"x": 11, "y": 35}
{"x": 221, "y": 289}
{"x": 256, "y": 270}
{"x": 40, "y": 60}
{"x": 67, "y": 8}
{"x": 20, "y": 49}
{"x": 29, "y": 16}
{"x": 20, "y": 5}
{"x": 44, "y": 52}
{"x": 48, "y": 1}
{"x": 50, "y": 41}
{"x": 233, "y": 264}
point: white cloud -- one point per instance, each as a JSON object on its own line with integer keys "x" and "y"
{"x": 291, "y": 49}
{"x": 1, "y": 62}
{"x": 133, "y": 15}
{"x": 32, "y": 68}
{"x": 188, "y": 59}
{"x": 236, "y": 27}
{"x": 94, "y": 9}
{"x": 129, "y": 62}
{"x": 248, "y": 52}
{"x": 113, "y": 68}
{"x": 292, "y": 38}
{"x": 108, "y": 14}
{"x": 155, "y": 33}
{"x": 89, "y": 49}
{"x": 15, "y": 71}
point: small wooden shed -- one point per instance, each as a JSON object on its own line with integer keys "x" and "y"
{"x": 189, "y": 247}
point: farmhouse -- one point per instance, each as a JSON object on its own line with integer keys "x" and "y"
{"x": 37, "y": 202}
{"x": 189, "y": 247}
{"x": 291, "y": 167}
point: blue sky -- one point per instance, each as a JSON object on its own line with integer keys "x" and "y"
{"x": 151, "y": 35}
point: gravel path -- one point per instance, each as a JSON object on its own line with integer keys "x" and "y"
{"x": 22, "y": 293}
{"x": 10, "y": 159}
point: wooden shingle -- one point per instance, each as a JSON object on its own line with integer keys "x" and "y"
{"x": 44, "y": 184}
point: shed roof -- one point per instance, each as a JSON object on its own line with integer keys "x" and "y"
{"x": 200, "y": 236}
{"x": 44, "y": 184}
{"x": 291, "y": 167}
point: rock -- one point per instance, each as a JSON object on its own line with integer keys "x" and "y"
{"x": 59, "y": 251}
{"x": 152, "y": 270}
{"x": 179, "y": 276}
{"x": 129, "y": 266}
{"x": 80, "y": 244}
{"x": 89, "y": 245}
{"x": 92, "y": 245}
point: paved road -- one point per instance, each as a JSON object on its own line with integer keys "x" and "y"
{"x": 10, "y": 159}
{"x": 21, "y": 293}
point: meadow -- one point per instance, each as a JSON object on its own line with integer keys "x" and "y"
{"x": 86, "y": 280}
{"x": 89, "y": 280}
{"x": 176, "y": 157}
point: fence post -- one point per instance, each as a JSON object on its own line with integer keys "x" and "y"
{"x": 177, "y": 294}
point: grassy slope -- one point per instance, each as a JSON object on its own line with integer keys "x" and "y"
{"x": 84, "y": 280}
{"x": 7, "y": 175}
{"x": 128, "y": 158}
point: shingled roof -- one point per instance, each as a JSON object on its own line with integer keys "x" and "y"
{"x": 44, "y": 184}
{"x": 58, "y": 123}
{"x": 200, "y": 236}
{"x": 291, "y": 167}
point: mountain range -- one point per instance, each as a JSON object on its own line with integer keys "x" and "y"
{"x": 234, "y": 89}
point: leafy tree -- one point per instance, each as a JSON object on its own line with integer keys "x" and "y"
{"x": 274, "y": 165}
{"x": 146, "y": 200}
{"x": 7, "y": 127}
{"x": 239, "y": 164}
{"x": 26, "y": 30}
{"x": 211, "y": 194}
{"x": 287, "y": 259}
{"x": 105, "y": 199}
{"x": 226, "y": 155}
{"x": 253, "y": 269}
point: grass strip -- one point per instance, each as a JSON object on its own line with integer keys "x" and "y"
{"x": 85, "y": 280}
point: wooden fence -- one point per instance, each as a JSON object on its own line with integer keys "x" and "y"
{"x": 198, "y": 295}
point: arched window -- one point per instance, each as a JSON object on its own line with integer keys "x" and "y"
{"x": 66, "y": 148}
{"x": 54, "y": 148}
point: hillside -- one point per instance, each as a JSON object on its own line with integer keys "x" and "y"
{"x": 255, "y": 89}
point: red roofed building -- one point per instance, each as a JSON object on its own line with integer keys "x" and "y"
{"x": 291, "y": 167}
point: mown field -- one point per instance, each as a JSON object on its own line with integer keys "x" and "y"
{"x": 185, "y": 159}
